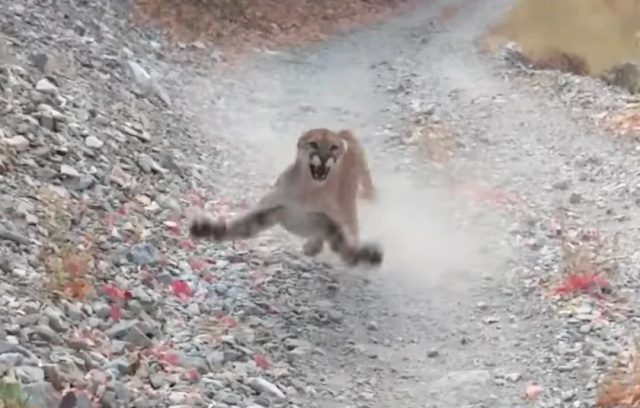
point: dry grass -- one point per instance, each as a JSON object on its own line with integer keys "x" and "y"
{"x": 620, "y": 388}
{"x": 602, "y": 32}
{"x": 242, "y": 24}
{"x": 68, "y": 262}
{"x": 11, "y": 395}
{"x": 625, "y": 122}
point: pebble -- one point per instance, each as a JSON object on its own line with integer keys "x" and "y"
{"x": 47, "y": 87}
{"x": 262, "y": 386}
{"x": 93, "y": 142}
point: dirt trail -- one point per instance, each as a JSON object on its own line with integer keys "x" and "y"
{"x": 456, "y": 317}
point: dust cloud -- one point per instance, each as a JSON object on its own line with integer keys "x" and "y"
{"x": 421, "y": 234}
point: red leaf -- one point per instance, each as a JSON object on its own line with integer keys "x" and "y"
{"x": 165, "y": 357}
{"x": 122, "y": 211}
{"x": 116, "y": 294}
{"x": 261, "y": 361}
{"x": 581, "y": 283}
{"x": 115, "y": 312}
{"x": 180, "y": 288}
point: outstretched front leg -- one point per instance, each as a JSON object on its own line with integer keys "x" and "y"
{"x": 245, "y": 226}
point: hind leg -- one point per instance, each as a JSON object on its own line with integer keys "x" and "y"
{"x": 313, "y": 246}
{"x": 245, "y": 226}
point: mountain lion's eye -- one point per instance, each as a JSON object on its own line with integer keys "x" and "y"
{"x": 313, "y": 145}
{"x": 334, "y": 148}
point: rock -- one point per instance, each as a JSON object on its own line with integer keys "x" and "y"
{"x": 50, "y": 118}
{"x": 575, "y": 198}
{"x": 143, "y": 254}
{"x": 561, "y": 185}
{"x": 120, "y": 329}
{"x": 230, "y": 399}
{"x": 132, "y": 130}
{"x": 47, "y": 87}
{"x": 157, "y": 380}
{"x": 28, "y": 374}
{"x": 46, "y": 63}
{"x": 140, "y": 76}
{"x": 19, "y": 143}
{"x": 262, "y": 386}
{"x": 47, "y": 334}
{"x": 69, "y": 171}
{"x": 93, "y": 142}
{"x": 491, "y": 319}
{"x": 215, "y": 359}
{"x": 136, "y": 337}
{"x": 148, "y": 165}
{"x": 41, "y": 395}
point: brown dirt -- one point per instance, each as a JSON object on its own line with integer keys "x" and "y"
{"x": 242, "y": 25}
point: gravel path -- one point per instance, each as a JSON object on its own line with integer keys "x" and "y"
{"x": 460, "y": 313}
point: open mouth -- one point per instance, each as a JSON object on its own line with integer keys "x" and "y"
{"x": 319, "y": 173}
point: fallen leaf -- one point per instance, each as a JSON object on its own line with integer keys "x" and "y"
{"x": 532, "y": 391}
{"x": 169, "y": 358}
{"x": 261, "y": 361}
{"x": 116, "y": 294}
{"x": 122, "y": 211}
{"x": 78, "y": 289}
{"x": 180, "y": 288}
{"x": 574, "y": 283}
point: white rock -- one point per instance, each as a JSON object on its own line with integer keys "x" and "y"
{"x": 19, "y": 142}
{"x": 69, "y": 171}
{"x": 46, "y": 86}
{"x": 93, "y": 142}
{"x": 262, "y": 386}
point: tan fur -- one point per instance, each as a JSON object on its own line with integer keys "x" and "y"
{"x": 315, "y": 198}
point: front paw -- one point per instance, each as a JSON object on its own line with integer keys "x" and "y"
{"x": 370, "y": 254}
{"x": 203, "y": 226}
